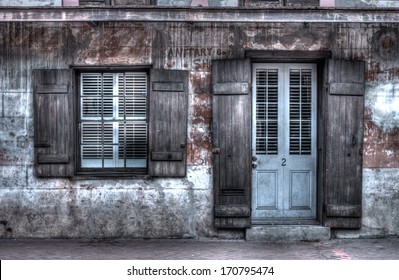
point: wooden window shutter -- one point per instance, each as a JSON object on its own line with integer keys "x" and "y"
{"x": 232, "y": 142}
{"x": 344, "y": 143}
{"x": 53, "y": 122}
{"x": 168, "y": 123}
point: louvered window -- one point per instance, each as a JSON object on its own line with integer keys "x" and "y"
{"x": 300, "y": 111}
{"x": 113, "y": 120}
{"x": 284, "y": 102}
{"x": 267, "y": 111}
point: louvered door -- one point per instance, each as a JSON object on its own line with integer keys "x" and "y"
{"x": 284, "y": 141}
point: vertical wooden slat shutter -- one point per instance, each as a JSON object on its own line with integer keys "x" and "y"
{"x": 232, "y": 142}
{"x": 168, "y": 123}
{"x": 53, "y": 122}
{"x": 344, "y": 142}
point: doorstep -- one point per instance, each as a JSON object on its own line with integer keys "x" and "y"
{"x": 287, "y": 233}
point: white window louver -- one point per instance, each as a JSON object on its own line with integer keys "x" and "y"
{"x": 113, "y": 127}
{"x": 267, "y": 111}
{"x": 283, "y": 104}
{"x": 300, "y": 112}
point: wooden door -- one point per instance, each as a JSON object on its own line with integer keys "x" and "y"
{"x": 284, "y": 141}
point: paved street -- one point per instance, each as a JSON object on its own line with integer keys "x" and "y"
{"x": 124, "y": 249}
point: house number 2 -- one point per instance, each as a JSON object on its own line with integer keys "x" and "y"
{"x": 284, "y": 162}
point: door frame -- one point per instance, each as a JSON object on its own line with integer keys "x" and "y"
{"x": 341, "y": 87}
{"x": 283, "y": 93}
{"x": 320, "y": 59}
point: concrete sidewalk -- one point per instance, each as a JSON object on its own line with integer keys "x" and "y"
{"x": 177, "y": 249}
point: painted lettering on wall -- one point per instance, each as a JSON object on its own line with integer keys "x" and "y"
{"x": 186, "y": 57}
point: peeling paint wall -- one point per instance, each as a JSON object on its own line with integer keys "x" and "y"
{"x": 174, "y": 208}
{"x": 17, "y": 3}
{"x": 381, "y": 200}
{"x": 366, "y": 3}
{"x": 105, "y": 209}
{"x": 383, "y": 99}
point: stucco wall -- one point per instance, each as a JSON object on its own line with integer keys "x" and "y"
{"x": 30, "y": 3}
{"x": 141, "y": 208}
{"x": 365, "y": 3}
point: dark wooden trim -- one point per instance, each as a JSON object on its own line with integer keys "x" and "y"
{"x": 321, "y": 131}
{"x": 42, "y": 145}
{"x": 167, "y": 127}
{"x": 267, "y": 56}
{"x": 168, "y": 86}
{"x": 52, "y": 159}
{"x": 344, "y": 210}
{"x": 229, "y": 192}
{"x": 344, "y": 114}
{"x": 53, "y": 105}
{"x": 111, "y": 67}
{"x": 93, "y": 174}
{"x": 344, "y": 222}
{"x": 346, "y": 89}
{"x": 168, "y": 156}
{"x": 52, "y": 89}
{"x": 230, "y": 88}
{"x": 231, "y": 131}
{"x": 232, "y": 211}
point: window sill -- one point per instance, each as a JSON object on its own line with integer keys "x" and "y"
{"x": 111, "y": 174}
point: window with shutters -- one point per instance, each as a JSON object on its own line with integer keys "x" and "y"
{"x": 100, "y": 122}
{"x": 113, "y": 125}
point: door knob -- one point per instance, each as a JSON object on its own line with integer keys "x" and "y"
{"x": 254, "y": 165}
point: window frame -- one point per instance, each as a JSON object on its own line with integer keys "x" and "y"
{"x": 106, "y": 171}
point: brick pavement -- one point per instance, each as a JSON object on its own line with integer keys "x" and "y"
{"x": 177, "y": 249}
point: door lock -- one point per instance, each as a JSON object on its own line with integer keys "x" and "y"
{"x": 254, "y": 158}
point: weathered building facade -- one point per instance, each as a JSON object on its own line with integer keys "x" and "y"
{"x": 198, "y": 119}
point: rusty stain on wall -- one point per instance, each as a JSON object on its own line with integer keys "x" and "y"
{"x": 385, "y": 46}
{"x": 381, "y": 131}
{"x": 115, "y": 44}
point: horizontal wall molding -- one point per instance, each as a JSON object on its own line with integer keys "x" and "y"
{"x": 218, "y": 15}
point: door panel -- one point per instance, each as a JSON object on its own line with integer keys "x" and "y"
{"x": 266, "y": 190}
{"x": 284, "y": 141}
{"x": 300, "y": 190}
